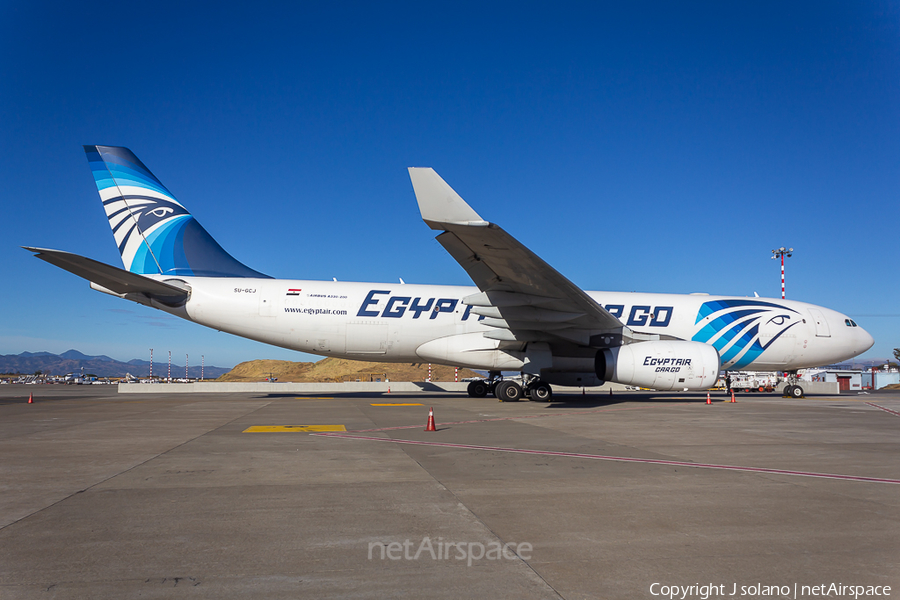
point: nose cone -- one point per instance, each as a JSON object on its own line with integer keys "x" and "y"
{"x": 846, "y": 340}
{"x": 866, "y": 340}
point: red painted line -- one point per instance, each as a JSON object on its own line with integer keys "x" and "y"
{"x": 893, "y": 412}
{"x": 646, "y": 461}
{"x": 540, "y": 416}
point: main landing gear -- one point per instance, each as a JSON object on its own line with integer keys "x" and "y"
{"x": 511, "y": 391}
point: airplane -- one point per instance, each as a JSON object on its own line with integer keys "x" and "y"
{"x": 521, "y": 315}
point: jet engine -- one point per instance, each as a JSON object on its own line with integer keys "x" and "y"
{"x": 660, "y": 365}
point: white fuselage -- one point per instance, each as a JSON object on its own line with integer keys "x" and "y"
{"x": 389, "y": 322}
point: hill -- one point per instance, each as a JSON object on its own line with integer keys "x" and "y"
{"x": 338, "y": 369}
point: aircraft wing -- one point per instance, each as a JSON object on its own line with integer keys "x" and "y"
{"x": 522, "y": 296}
{"x": 112, "y": 278}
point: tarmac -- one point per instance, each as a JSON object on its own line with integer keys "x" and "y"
{"x": 253, "y": 495}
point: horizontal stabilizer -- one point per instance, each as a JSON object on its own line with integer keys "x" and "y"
{"x": 112, "y": 278}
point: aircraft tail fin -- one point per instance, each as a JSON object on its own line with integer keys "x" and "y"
{"x": 154, "y": 232}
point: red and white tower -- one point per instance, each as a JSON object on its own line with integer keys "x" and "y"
{"x": 782, "y": 252}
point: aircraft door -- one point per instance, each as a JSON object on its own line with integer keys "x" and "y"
{"x": 822, "y": 329}
{"x": 367, "y": 338}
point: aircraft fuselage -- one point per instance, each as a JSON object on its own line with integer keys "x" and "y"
{"x": 390, "y": 322}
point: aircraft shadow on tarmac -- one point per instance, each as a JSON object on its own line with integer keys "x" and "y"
{"x": 561, "y": 401}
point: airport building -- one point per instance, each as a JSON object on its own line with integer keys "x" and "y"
{"x": 877, "y": 379}
{"x": 848, "y": 380}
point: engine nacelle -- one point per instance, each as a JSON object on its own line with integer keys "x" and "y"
{"x": 660, "y": 365}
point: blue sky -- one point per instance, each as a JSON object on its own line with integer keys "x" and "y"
{"x": 662, "y": 147}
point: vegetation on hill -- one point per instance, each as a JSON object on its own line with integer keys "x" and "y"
{"x": 338, "y": 369}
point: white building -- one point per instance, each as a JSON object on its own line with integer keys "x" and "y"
{"x": 848, "y": 380}
{"x": 880, "y": 378}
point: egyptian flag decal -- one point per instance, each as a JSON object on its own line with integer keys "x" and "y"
{"x": 293, "y": 292}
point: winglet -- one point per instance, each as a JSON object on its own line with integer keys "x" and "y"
{"x": 439, "y": 204}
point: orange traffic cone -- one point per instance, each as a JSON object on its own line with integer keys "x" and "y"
{"x": 708, "y": 401}
{"x": 31, "y": 398}
{"x": 732, "y": 396}
{"x": 430, "y": 426}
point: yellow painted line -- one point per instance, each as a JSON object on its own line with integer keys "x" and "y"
{"x": 399, "y": 404}
{"x": 294, "y": 428}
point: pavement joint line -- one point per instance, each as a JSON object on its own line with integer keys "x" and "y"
{"x": 887, "y": 410}
{"x": 132, "y": 467}
{"x": 626, "y": 459}
{"x": 540, "y": 416}
{"x": 479, "y": 519}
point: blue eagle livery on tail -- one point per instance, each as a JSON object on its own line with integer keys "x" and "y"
{"x": 155, "y": 234}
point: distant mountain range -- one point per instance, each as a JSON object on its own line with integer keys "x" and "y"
{"x": 863, "y": 364}
{"x": 72, "y": 361}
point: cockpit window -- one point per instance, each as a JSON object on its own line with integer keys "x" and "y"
{"x": 850, "y": 323}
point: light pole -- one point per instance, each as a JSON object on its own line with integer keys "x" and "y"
{"x": 781, "y": 252}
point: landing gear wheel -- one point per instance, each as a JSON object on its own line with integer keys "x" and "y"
{"x": 508, "y": 391}
{"x": 477, "y": 389}
{"x": 796, "y": 391}
{"x": 788, "y": 390}
{"x": 541, "y": 392}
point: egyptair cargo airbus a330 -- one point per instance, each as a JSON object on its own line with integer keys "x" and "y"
{"x": 521, "y": 315}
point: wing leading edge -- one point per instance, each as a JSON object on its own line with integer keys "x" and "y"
{"x": 522, "y": 297}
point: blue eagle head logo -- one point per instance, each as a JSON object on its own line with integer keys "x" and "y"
{"x": 149, "y": 212}
{"x": 741, "y": 330}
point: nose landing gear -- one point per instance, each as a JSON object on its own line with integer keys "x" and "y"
{"x": 792, "y": 389}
